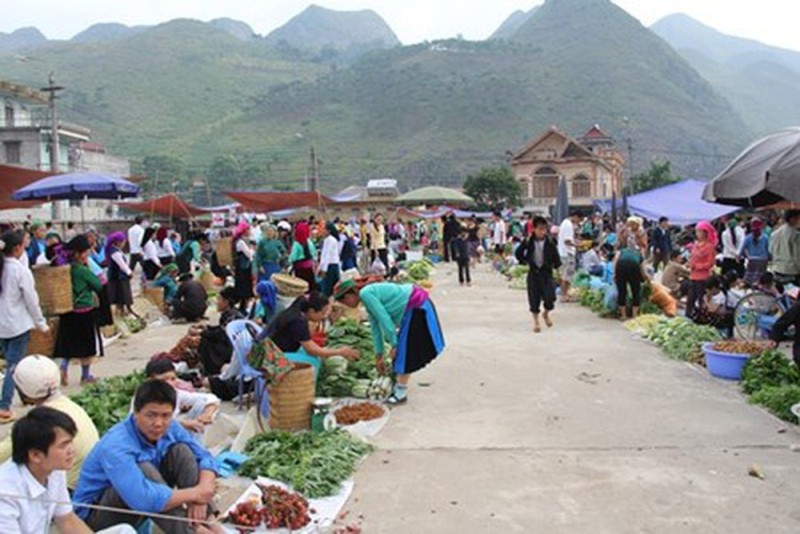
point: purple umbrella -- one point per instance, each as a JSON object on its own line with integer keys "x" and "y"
{"x": 77, "y": 186}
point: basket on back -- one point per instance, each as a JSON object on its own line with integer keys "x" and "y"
{"x": 44, "y": 343}
{"x": 54, "y": 286}
{"x": 289, "y": 286}
{"x": 224, "y": 250}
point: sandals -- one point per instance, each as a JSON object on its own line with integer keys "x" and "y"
{"x": 395, "y": 401}
{"x": 5, "y": 419}
{"x": 548, "y": 321}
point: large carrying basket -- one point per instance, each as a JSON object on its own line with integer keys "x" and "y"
{"x": 224, "y": 249}
{"x": 292, "y": 399}
{"x": 155, "y": 295}
{"x": 207, "y": 280}
{"x": 289, "y": 286}
{"x": 41, "y": 343}
{"x": 54, "y": 286}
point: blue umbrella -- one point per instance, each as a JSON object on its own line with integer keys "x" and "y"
{"x": 77, "y": 186}
{"x": 561, "y": 210}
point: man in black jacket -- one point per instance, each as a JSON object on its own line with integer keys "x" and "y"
{"x": 540, "y": 253}
{"x": 787, "y": 320}
{"x": 449, "y": 234}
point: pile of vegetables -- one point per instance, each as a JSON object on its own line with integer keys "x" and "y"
{"x": 359, "y": 378}
{"x": 772, "y": 381}
{"x": 682, "y": 339}
{"x": 643, "y": 324}
{"x": 108, "y": 401}
{"x": 419, "y": 271}
{"x": 518, "y": 277}
{"x": 314, "y": 464}
{"x": 134, "y": 324}
{"x": 738, "y": 346}
{"x": 275, "y": 508}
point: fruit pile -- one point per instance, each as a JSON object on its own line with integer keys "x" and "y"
{"x": 353, "y": 413}
{"x": 278, "y": 508}
{"x": 738, "y": 346}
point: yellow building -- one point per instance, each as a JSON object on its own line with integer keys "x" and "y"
{"x": 591, "y": 165}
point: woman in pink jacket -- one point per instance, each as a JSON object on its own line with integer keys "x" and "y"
{"x": 701, "y": 262}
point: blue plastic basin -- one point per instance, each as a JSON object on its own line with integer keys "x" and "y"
{"x": 725, "y": 365}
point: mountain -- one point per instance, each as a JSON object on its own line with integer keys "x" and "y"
{"x": 240, "y": 30}
{"x": 761, "y": 81}
{"x": 318, "y": 28}
{"x": 161, "y": 90}
{"x": 21, "y": 38}
{"x": 105, "y": 32}
{"x": 512, "y": 24}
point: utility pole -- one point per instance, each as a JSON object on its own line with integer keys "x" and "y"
{"x": 314, "y": 179}
{"x": 53, "y": 89}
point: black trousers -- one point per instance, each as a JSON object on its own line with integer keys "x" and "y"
{"x": 136, "y": 258}
{"x": 697, "y": 290}
{"x": 463, "y": 271}
{"x": 447, "y": 243}
{"x": 541, "y": 288}
{"x": 628, "y": 274}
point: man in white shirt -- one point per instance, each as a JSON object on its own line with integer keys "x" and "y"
{"x": 135, "y": 235}
{"x": 498, "y": 233}
{"x": 568, "y": 252}
{"x": 33, "y": 483}
{"x": 732, "y": 240}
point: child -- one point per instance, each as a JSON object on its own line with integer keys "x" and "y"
{"x": 540, "y": 253}
{"x": 461, "y": 255}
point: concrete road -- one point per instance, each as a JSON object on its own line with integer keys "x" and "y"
{"x": 581, "y": 428}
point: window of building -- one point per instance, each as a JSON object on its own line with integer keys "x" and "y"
{"x": 9, "y": 116}
{"x": 545, "y": 183}
{"x": 12, "y": 149}
{"x": 581, "y": 187}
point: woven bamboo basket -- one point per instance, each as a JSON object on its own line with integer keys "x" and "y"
{"x": 289, "y": 286}
{"x": 41, "y": 343}
{"x": 291, "y": 400}
{"x": 155, "y": 295}
{"x": 224, "y": 249}
{"x": 207, "y": 280}
{"x": 54, "y": 286}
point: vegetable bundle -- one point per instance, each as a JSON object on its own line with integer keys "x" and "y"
{"x": 340, "y": 378}
{"x": 314, "y": 464}
{"x": 682, "y": 339}
{"x": 772, "y": 381}
{"x": 108, "y": 401}
{"x": 419, "y": 271}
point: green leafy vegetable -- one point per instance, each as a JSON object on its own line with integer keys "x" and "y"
{"x": 108, "y": 401}
{"x": 778, "y": 400}
{"x": 314, "y": 464}
{"x": 771, "y": 368}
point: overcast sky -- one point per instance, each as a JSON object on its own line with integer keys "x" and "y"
{"x": 412, "y": 20}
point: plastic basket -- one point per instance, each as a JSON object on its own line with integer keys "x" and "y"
{"x": 725, "y": 365}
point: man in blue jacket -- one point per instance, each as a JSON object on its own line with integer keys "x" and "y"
{"x": 139, "y": 461}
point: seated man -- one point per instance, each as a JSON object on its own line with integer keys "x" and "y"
{"x": 37, "y": 379}
{"x": 191, "y": 300}
{"x": 42, "y": 454}
{"x": 139, "y": 461}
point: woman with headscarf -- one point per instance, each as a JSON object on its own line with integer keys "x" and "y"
{"x": 755, "y": 251}
{"x": 349, "y": 250}
{"x": 243, "y": 266}
{"x": 701, "y": 262}
{"x": 151, "y": 264}
{"x": 330, "y": 260}
{"x": 119, "y": 273}
{"x": 78, "y": 336}
{"x": 270, "y": 252}
{"x": 403, "y": 316}
{"x": 303, "y": 255}
{"x": 167, "y": 279}
{"x": 633, "y": 235}
{"x": 166, "y": 254}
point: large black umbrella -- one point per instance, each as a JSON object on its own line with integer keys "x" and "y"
{"x": 561, "y": 210}
{"x": 768, "y": 171}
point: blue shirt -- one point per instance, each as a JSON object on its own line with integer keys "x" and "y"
{"x": 757, "y": 250}
{"x": 114, "y": 462}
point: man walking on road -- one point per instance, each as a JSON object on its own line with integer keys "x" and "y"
{"x": 568, "y": 252}
{"x": 498, "y": 233}
{"x": 135, "y": 235}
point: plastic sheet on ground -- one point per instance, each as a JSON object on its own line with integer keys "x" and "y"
{"x": 362, "y": 429}
{"x": 327, "y": 509}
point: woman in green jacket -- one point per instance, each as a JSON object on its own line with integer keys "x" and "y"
{"x": 270, "y": 251}
{"x": 77, "y": 331}
{"x": 403, "y": 316}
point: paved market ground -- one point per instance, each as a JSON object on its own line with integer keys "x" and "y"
{"x": 578, "y": 429}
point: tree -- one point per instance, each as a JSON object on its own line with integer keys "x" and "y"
{"x": 162, "y": 171}
{"x": 659, "y": 175}
{"x": 494, "y": 188}
{"x": 226, "y": 169}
